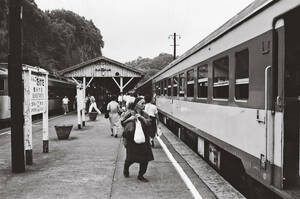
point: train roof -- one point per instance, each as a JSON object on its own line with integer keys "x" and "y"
{"x": 3, "y": 69}
{"x": 248, "y": 12}
{"x": 52, "y": 76}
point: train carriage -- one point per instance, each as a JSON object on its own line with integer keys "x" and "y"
{"x": 234, "y": 97}
{"x": 4, "y": 99}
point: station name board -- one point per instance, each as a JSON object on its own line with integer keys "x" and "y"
{"x": 37, "y": 93}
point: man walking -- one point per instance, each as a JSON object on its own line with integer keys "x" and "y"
{"x": 65, "y": 103}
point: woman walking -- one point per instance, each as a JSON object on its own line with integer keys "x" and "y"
{"x": 93, "y": 105}
{"x": 139, "y": 153}
{"x": 114, "y": 118}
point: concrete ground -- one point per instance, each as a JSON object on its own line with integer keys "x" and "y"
{"x": 90, "y": 165}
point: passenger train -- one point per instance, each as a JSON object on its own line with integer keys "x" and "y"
{"x": 234, "y": 98}
{"x": 58, "y": 87}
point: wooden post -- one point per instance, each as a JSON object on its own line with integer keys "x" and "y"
{"x": 83, "y": 109}
{"x": 27, "y": 117}
{"x": 78, "y": 90}
{"x": 16, "y": 91}
{"x": 121, "y": 90}
{"x": 121, "y": 86}
{"x": 45, "y": 120}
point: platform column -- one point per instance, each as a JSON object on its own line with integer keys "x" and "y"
{"x": 27, "y": 117}
{"x": 83, "y": 110}
{"x": 79, "y": 103}
{"x": 45, "y": 120}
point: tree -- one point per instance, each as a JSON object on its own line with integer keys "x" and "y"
{"x": 151, "y": 66}
{"x": 54, "y": 39}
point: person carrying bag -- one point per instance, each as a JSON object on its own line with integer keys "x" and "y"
{"x": 136, "y": 124}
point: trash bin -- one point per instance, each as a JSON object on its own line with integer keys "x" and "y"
{"x": 63, "y": 131}
{"x": 93, "y": 116}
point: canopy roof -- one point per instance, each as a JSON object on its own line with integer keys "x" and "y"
{"x": 101, "y": 67}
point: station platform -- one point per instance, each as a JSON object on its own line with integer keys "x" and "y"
{"x": 90, "y": 165}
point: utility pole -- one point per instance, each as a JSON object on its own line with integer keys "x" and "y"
{"x": 15, "y": 85}
{"x": 174, "y": 40}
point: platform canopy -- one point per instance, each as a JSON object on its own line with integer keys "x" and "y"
{"x": 106, "y": 73}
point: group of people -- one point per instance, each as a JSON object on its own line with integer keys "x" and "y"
{"x": 126, "y": 117}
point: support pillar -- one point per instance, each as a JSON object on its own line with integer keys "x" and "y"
{"x": 45, "y": 120}
{"x": 121, "y": 86}
{"x": 84, "y": 105}
{"x": 16, "y": 91}
{"x": 27, "y": 117}
{"x": 79, "y": 105}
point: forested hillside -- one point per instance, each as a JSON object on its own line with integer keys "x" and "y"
{"x": 151, "y": 66}
{"x": 58, "y": 39}
{"x": 53, "y": 39}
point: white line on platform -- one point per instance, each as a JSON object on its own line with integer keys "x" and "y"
{"x": 182, "y": 174}
{"x": 9, "y": 132}
{"x": 6, "y": 132}
{"x": 52, "y": 118}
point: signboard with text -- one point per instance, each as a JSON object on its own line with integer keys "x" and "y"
{"x": 37, "y": 93}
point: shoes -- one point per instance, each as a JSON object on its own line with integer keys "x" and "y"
{"x": 141, "y": 178}
{"x": 126, "y": 174}
{"x": 112, "y": 135}
{"x": 116, "y": 136}
{"x": 152, "y": 143}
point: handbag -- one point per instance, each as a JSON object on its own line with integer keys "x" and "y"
{"x": 139, "y": 136}
{"x": 106, "y": 115}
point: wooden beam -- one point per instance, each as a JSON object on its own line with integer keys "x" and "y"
{"x": 76, "y": 81}
{"x": 89, "y": 82}
{"x": 116, "y": 82}
{"x": 127, "y": 82}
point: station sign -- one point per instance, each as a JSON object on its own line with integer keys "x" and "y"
{"x": 35, "y": 102}
{"x": 37, "y": 93}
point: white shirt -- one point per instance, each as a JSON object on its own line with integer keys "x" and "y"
{"x": 113, "y": 107}
{"x": 120, "y": 98}
{"x": 151, "y": 109}
{"x": 65, "y": 100}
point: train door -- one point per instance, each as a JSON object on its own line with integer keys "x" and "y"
{"x": 291, "y": 111}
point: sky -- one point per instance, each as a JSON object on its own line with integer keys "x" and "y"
{"x": 133, "y": 28}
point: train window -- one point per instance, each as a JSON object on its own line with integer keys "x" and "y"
{"x": 161, "y": 88}
{"x": 220, "y": 78}
{"x": 52, "y": 94}
{"x": 202, "y": 81}
{"x": 175, "y": 85}
{"x": 1, "y": 84}
{"x": 165, "y": 86}
{"x": 242, "y": 75}
{"x": 157, "y": 88}
{"x": 181, "y": 85}
{"x": 190, "y": 83}
{"x": 169, "y": 87}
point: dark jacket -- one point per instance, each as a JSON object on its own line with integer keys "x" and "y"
{"x": 137, "y": 152}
